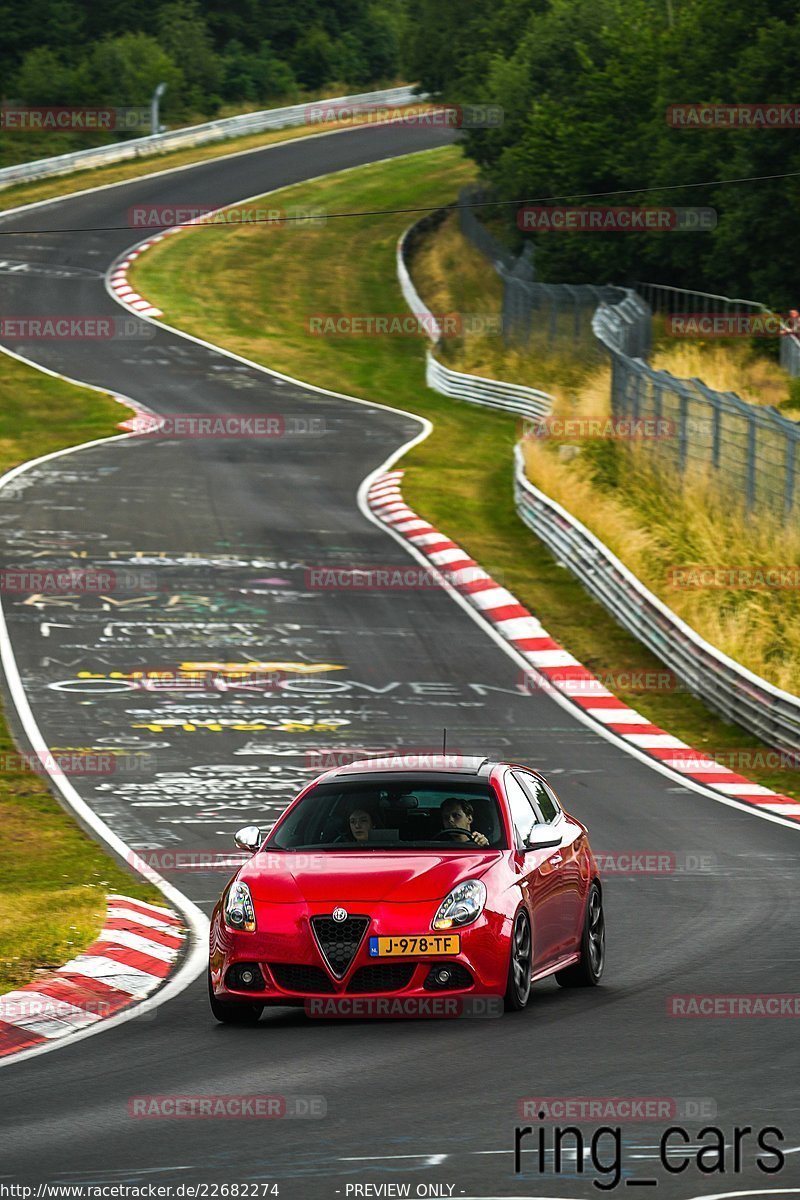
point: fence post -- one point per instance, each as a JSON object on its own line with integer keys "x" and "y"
{"x": 791, "y": 448}
{"x": 658, "y": 408}
{"x": 715, "y": 434}
{"x": 636, "y": 397}
{"x": 552, "y": 332}
{"x": 682, "y": 439}
{"x": 751, "y": 461}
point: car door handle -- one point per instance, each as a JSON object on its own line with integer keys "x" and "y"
{"x": 556, "y": 859}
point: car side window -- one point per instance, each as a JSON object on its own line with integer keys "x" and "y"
{"x": 540, "y": 795}
{"x": 552, "y": 801}
{"x": 523, "y": 815}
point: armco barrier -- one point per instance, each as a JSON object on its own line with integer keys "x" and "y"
{"x": 489, "y": 393}
{"x": 726, "y": 686}
{"x": 197, "y": 135}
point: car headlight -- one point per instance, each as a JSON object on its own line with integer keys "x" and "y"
{"x": 238, "y": 908}
{"x": 462, "y": 906}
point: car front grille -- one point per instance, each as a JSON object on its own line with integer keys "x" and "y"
{"x": 383, "y": 977}
{"x": 298, "y": 977}
{"x": 339, "y": 940}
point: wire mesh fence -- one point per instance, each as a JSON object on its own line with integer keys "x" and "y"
{"x": 748, "y": 450}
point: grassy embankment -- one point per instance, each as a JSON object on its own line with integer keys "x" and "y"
{"x": 53, "y": 878}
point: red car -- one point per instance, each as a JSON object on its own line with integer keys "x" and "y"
{"x": 458, "y": 877}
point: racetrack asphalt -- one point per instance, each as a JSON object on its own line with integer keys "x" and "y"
{"x": 221, "y": 533}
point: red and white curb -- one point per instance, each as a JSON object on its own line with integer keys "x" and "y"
{"x": 118, "y": 277}
{"x": 144, "y": 420}
{"x": 135, "y": 952}
{"x": 117, "y": 274}
{"x": 553, "y": 667}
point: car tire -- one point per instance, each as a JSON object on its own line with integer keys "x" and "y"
{"x": 233, "y": 1012}
{"x": 588, "y": 971}
{"x": 518, "y": 988}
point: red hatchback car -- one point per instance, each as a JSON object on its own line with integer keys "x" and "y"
{"x": 456, "y": 877}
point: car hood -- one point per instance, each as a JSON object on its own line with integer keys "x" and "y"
{"x": 341, "y": 877}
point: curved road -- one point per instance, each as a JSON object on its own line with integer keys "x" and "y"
{"x": 221, "y": 534}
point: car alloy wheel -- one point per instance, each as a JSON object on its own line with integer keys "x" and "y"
{"x": 596, "y": 933}
{"x": 587, "y": 972}
{"x": 519, "y": 969}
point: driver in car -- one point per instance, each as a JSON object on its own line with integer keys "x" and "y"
{"x": 457, "y": 815}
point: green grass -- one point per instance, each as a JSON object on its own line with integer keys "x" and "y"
{"x": 252, "y": 290}
{"x": 40, "y": 413}
{"x": 53, "y": 878}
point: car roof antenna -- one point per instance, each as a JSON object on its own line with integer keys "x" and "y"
{"x": 444, "y": 742}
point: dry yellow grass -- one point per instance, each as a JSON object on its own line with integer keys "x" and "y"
{"x": 726, "y": 367}
{"x": 759, "y": 627}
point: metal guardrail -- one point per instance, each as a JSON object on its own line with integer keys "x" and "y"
{"x": 726, "y": 686}
{"x": 491, "y": 393}
{"x": 625, "y": 326}
{"x": 198, "y": 135}
{"x": 476, "y": 389}
{"x": 769, "y": 712}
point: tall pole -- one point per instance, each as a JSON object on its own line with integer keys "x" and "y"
{"x": 155, "y": 125}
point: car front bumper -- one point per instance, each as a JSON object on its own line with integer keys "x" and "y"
{"x": 292, "y": 970}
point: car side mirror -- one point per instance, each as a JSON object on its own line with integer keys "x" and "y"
{"x": 543, "y": 837}
{"x": 248, "y": 838}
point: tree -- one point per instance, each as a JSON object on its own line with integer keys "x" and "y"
{"x": 315, "y": 58}
{"x": 43, "y": 78}
{"x": 183, "y": 34}
{"x": 126, "y": 70}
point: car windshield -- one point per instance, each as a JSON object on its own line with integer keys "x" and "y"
{"x": 394, "y": 813}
